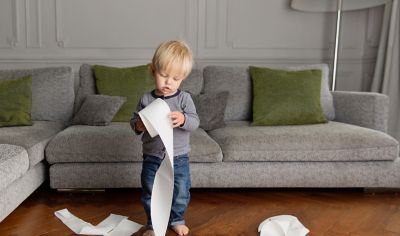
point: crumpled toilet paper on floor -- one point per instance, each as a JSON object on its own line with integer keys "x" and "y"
{"x": 113, "y": 225}
{"x": 282, "y": 225}
{"x": 156, "y": 119}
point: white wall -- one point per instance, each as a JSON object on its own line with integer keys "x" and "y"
{"x": 36, "y": 33}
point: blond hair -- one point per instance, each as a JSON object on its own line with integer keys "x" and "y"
{"x": 173, "y": 55}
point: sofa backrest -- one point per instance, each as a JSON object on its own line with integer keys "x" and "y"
{"x": 237, "y": 81}
{"x": 87, "y": 83}
{"x": 52, "y": 91}
{"x": 194, "y": 82}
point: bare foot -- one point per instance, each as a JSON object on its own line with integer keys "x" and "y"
{"x": 181, "y": 230}
{"x": 149, "y": 232}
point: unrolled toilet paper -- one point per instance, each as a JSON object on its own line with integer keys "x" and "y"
{"x": 156, "y": 119}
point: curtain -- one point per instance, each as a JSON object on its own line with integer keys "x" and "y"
{"x": 386, "y": 78}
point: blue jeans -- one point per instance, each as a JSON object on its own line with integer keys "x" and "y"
{"x": 182, "y": 184}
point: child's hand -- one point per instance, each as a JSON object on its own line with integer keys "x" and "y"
{"x": 177, "y": 118}
{"x": 139, "y": 126}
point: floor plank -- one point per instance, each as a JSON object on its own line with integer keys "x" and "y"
{"x": 328, "y": 212}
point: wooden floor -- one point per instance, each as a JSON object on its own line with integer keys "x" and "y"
{"x": 220, "y": 212}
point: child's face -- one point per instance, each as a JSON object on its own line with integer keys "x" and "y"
{"x": 167, "y": 82}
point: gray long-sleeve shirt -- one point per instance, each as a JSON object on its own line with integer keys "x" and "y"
{"x": 180, "y": 101}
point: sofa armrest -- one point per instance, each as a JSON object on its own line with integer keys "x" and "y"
{"x": 366, "y": 109}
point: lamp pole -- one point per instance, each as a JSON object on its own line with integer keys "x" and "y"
{"x": 337, "y": 38}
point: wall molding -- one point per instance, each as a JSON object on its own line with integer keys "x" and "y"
{"x": 211, "y": 23}
{"x": 38, "y": 23}
{"x": 58, "y": 18}
{"x": 63, "y": 40}
{"x": 13, "y": 39}
{"x": 238, "y": 45}
{"x": 16, "y": 27}
{"x": 374, "y": 22}
{"x": 228, "y": 60}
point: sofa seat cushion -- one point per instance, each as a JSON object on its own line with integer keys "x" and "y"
{"x": 14, "y": 162}
{"x": 331, "y": 141}
{"x": 33, "y": 138}
{"x": 116, "y": 143}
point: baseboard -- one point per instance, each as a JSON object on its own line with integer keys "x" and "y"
{"x": 382, "y": 190}
{"x": 80, "y": 190}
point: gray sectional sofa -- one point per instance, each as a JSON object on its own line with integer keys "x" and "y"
{"x": 351, "y": 150}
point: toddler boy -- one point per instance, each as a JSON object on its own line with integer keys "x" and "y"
{"x": 171, "y": 64}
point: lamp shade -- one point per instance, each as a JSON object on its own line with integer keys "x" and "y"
{"x": 331, "y": 6}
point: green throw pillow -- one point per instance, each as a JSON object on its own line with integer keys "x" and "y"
{"x": 130, "y": 82}
{"x": 283, "y": 97}
{"x": 16, "y": 102}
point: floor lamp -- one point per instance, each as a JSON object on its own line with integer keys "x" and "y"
{"x": 335, "y": 6}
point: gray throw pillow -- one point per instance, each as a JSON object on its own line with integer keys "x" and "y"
{"x": 211, "y": 109}
{"x": 98, "y": 110}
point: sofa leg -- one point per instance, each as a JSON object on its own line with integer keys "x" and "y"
{"x": 81, "y": 190}
{"x": 382, "y": 190}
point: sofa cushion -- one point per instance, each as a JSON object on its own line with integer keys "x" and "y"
{"x": 52, "y": 91}
{"x": 87, "y": 85}
{"x": 33, "y": 138}
{"x": 98, "y": 110}
{"x": 14, "y": 163}
{"x": 193, "y": 83}
{"x": 211, "y": 109}
{"x": 115, "y": 143}
{"x": 331, "y": 141}
{"x": 79, "y": 143}
{"x": 237, "y": 81}
{"x": 16, "y": 102}
{"x": 282, "y": 97}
